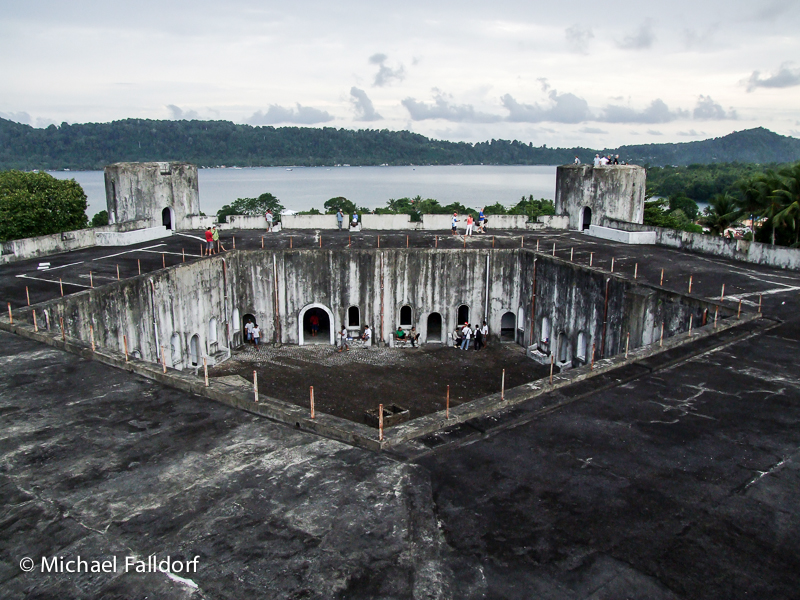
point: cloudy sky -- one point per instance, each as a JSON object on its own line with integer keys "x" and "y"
{"x": 562, "y": 74}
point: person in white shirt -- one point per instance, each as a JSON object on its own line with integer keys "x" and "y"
{"x": 454, "y": 223}
{"x": 467, "y": 333}
{"x": 248, "y": 331}
{"x": 577, "y": 160}
{"x": 596, "y": 160}
{"x": 603, "y": 161}
{"x": 485, "y": 332}
{"x": 256, "y": 336}
{"x": 343, "y": 336}
{"x": 269, "y": 220}
{"x": 367, "y": 336}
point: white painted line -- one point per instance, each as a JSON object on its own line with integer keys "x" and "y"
{"x": 64, "y": 266}
{"x": 128, "y": 252}
{"x": 160, "y": 252}
{"x": 736, "y": 297}
{"x": 194, "y": 237}
{"x": 51, "y": 281}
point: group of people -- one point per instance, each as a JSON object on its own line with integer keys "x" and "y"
{"x": 213, "y": 243}
{"x": 462, "y": 336}
{"x": 344, "y": 338}
{"x": 252, "y": 333}
{"x": 340, "y": 219}
{"x": 411, "y": 335}
{"x": 602, "y": 161}
{"x": 470, "y": 223}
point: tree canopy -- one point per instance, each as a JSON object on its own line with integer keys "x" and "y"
{"x": 251, "y": 206}
{"x": 33, "y": 204}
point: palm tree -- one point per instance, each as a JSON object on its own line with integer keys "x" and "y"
{"x": 789, "y": 193}
{"x": 722, "y": 211}
{"x": 759, "y": 196}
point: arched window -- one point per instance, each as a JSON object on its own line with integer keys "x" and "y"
{"x": 175, "y": 345}
{"x": 212, "y": 330}
{"x": 580, "y": 351}
{"x": 405, "y": 316}
{"x": 563, "y": 348}
{"x": 194, "y": 349}
{"x": 237, "y": 325}
{"x": 544, "y": 335}
{"x": 462, "y": 315}
{"x": 353, "y": 318}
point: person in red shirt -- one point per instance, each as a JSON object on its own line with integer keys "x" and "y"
{"x": 209, "y": 242}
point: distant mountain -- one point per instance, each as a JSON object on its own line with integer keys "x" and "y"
{"x": 216, "y": 143}
{"x": 750, "y": 146}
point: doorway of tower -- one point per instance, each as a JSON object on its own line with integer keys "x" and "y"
{"x": 433, "y": 332}
{"x": 586, "y": 218}
{"x": 508, "y": 326}
{"x": 168, "y": 218}
{"x": 316, "y": 325}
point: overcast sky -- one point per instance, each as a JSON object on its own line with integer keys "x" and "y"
{"x": 568, "y": 73}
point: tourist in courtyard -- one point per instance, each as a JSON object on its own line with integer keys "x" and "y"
{"x": 470, "y": 222}
{"x": 339, "y": 218}
{"x": 400, "y": 334}
{"x": 217, "y": 241}
{"x": 343, "y": 345}
{"x": 314, "y": 322}
{"x": 454, "y": 223}
{"x": 367, "y": 335}
{"x": 209, "y": 242}
{"x": 248, "y": 331}
{"x": 478, "y": 338}
{"x": 482, "y": 220}
{"x": 596, "y": 160}
{"x": 256, "y": 336}
{"x": 270, "y": 220}
{"x": 485, "y": 334}
{"x": 354, "y": 222}
{"x": 466, "y": 332}
{"x": 413, "y": 336}
{"x": 577, "y": 160}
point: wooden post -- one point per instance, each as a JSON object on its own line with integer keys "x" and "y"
{"x": 205, "y": 370}
{"x": 10, "y": 316}
{"x": 492, "y": 241}
{"x": 139, "y": 262}
{"x": 320, "y": 240}
{"x": 591, "y": 258}
{"x": 379, "y": 240}
{"x": 691, "y": 317}
{"x": 312, "y": 401}
{"x": 716, "y": 314}
{"x": 201, "y": 249}
{"x": 163, "y": 261}
{"x": 636, "y": 271}
{"x": 234, "y": 241}
{"x": 552, "y": 363}
{"x": 91, "y": 281}
{"x": 262, "y": 242}
{"x": 759, "y": 304}
{"x": 406, "y": 240}
{"x": 124, "y": 341}
{"x": 522, "y": 241}
{"x": 255, "y": 385}
{"x": 163, "y": 361}
{"x": 183, "y": 254}
{"x": 612, "y": 264}
{"x": 739, "y": 312}
{"x": 661, "y": 339}
{"x": 91, "y": 335}
{"x": 35, "y": 325}
{"x": 690, "y": 284}
{"x": 627, "y": 343}
{"x": 537, "y": 244}
{"x": 380, "y": 422}
{"x": 290, "y": 242}
{"x": 591, "y": 365}
{"x": 64, "y": 338}
{"x": 436, "y": 241}
{"x": 447, "y": 404}
{"x": 554, "y": 248}
{"x": 662, "y": 277}
{"x": 61, "y": 285}
{"x": 117, "y": 272}
{"x": 27, "y": 295}
{"x": 722, "y": 293}
{"x": 571, "y": 253}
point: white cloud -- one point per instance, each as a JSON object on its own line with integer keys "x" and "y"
{"x": 563, "y": 108}
{"x": 178, "y": 114}
{"x": 707, "y": 109}
{"x": 657, "y": 112}
{"x": 578, "y": 38}
{"x": 302, "y": 115}
{"x": 386, "y": 75}
{"x": 785, "y": 77}
{"x": 17, "y": 117}
{"x": 443, "y": 108}
{"x": 641, "y": 39}
{"x": 365, "y": 111}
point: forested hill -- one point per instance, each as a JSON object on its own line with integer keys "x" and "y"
{"x": 751, "y": 146}
{"x": 215, "y": 143}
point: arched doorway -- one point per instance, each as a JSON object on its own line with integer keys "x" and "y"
{"x": 586, "y": 218}
{"x": 213, "y": 344}
{"x": 325, "y": 334}
{"x": 544, "y": 336}
{"x": 433, "y": 331}
{"x": 563, "y": 348}
{"x": 508, "y": 326}
{"x": 168, "y": 218}
{"x": 580, "y": 351}
{"x": 462, "y": 315}
{"x": 194, "y": 350}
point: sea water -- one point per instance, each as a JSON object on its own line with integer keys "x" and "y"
{"x": 303, "y": 188}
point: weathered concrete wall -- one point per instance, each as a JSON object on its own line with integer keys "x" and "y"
{"x": 144, "y": 190}
{"x": 751, "y": 252}
{"x": 621, "y": 235}
{"x": 311, "y": 221}
{"x": 614, "y": 191}
{"x": 554, "y": 221}
{"x": 61, "y": 242}
{"x": 388, "y": 222}
{"x": 115, "y": 238}
{"x": 210, "y": 298}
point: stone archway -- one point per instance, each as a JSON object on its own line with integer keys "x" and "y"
{"x": 301, "y": 318}
{"x": 586, "y": 218}
{"x": 168, "y": 217}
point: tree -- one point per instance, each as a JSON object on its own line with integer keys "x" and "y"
{"x": 340, "y": 202}
{"x": 33, "y": 204}
{"x": 686, "y": 204}
{"x": 252, "y": 207}
{"x": 533, "y": 208}
{"x": 657, "y": 213}
{"x": 789, "y": 193}
{"x": 100, "y": 219}
{"x": 722, "y": 211}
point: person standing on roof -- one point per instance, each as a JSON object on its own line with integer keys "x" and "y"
{"x": 481, "y": 220}
{"x": 454, "y": 223}
{"x": 470, "y": 222}
{"x": 339, "y": 218}
{"x": 209, "y": 242}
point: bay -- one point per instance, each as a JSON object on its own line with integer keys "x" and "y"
{"x": 303, "y": 188}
